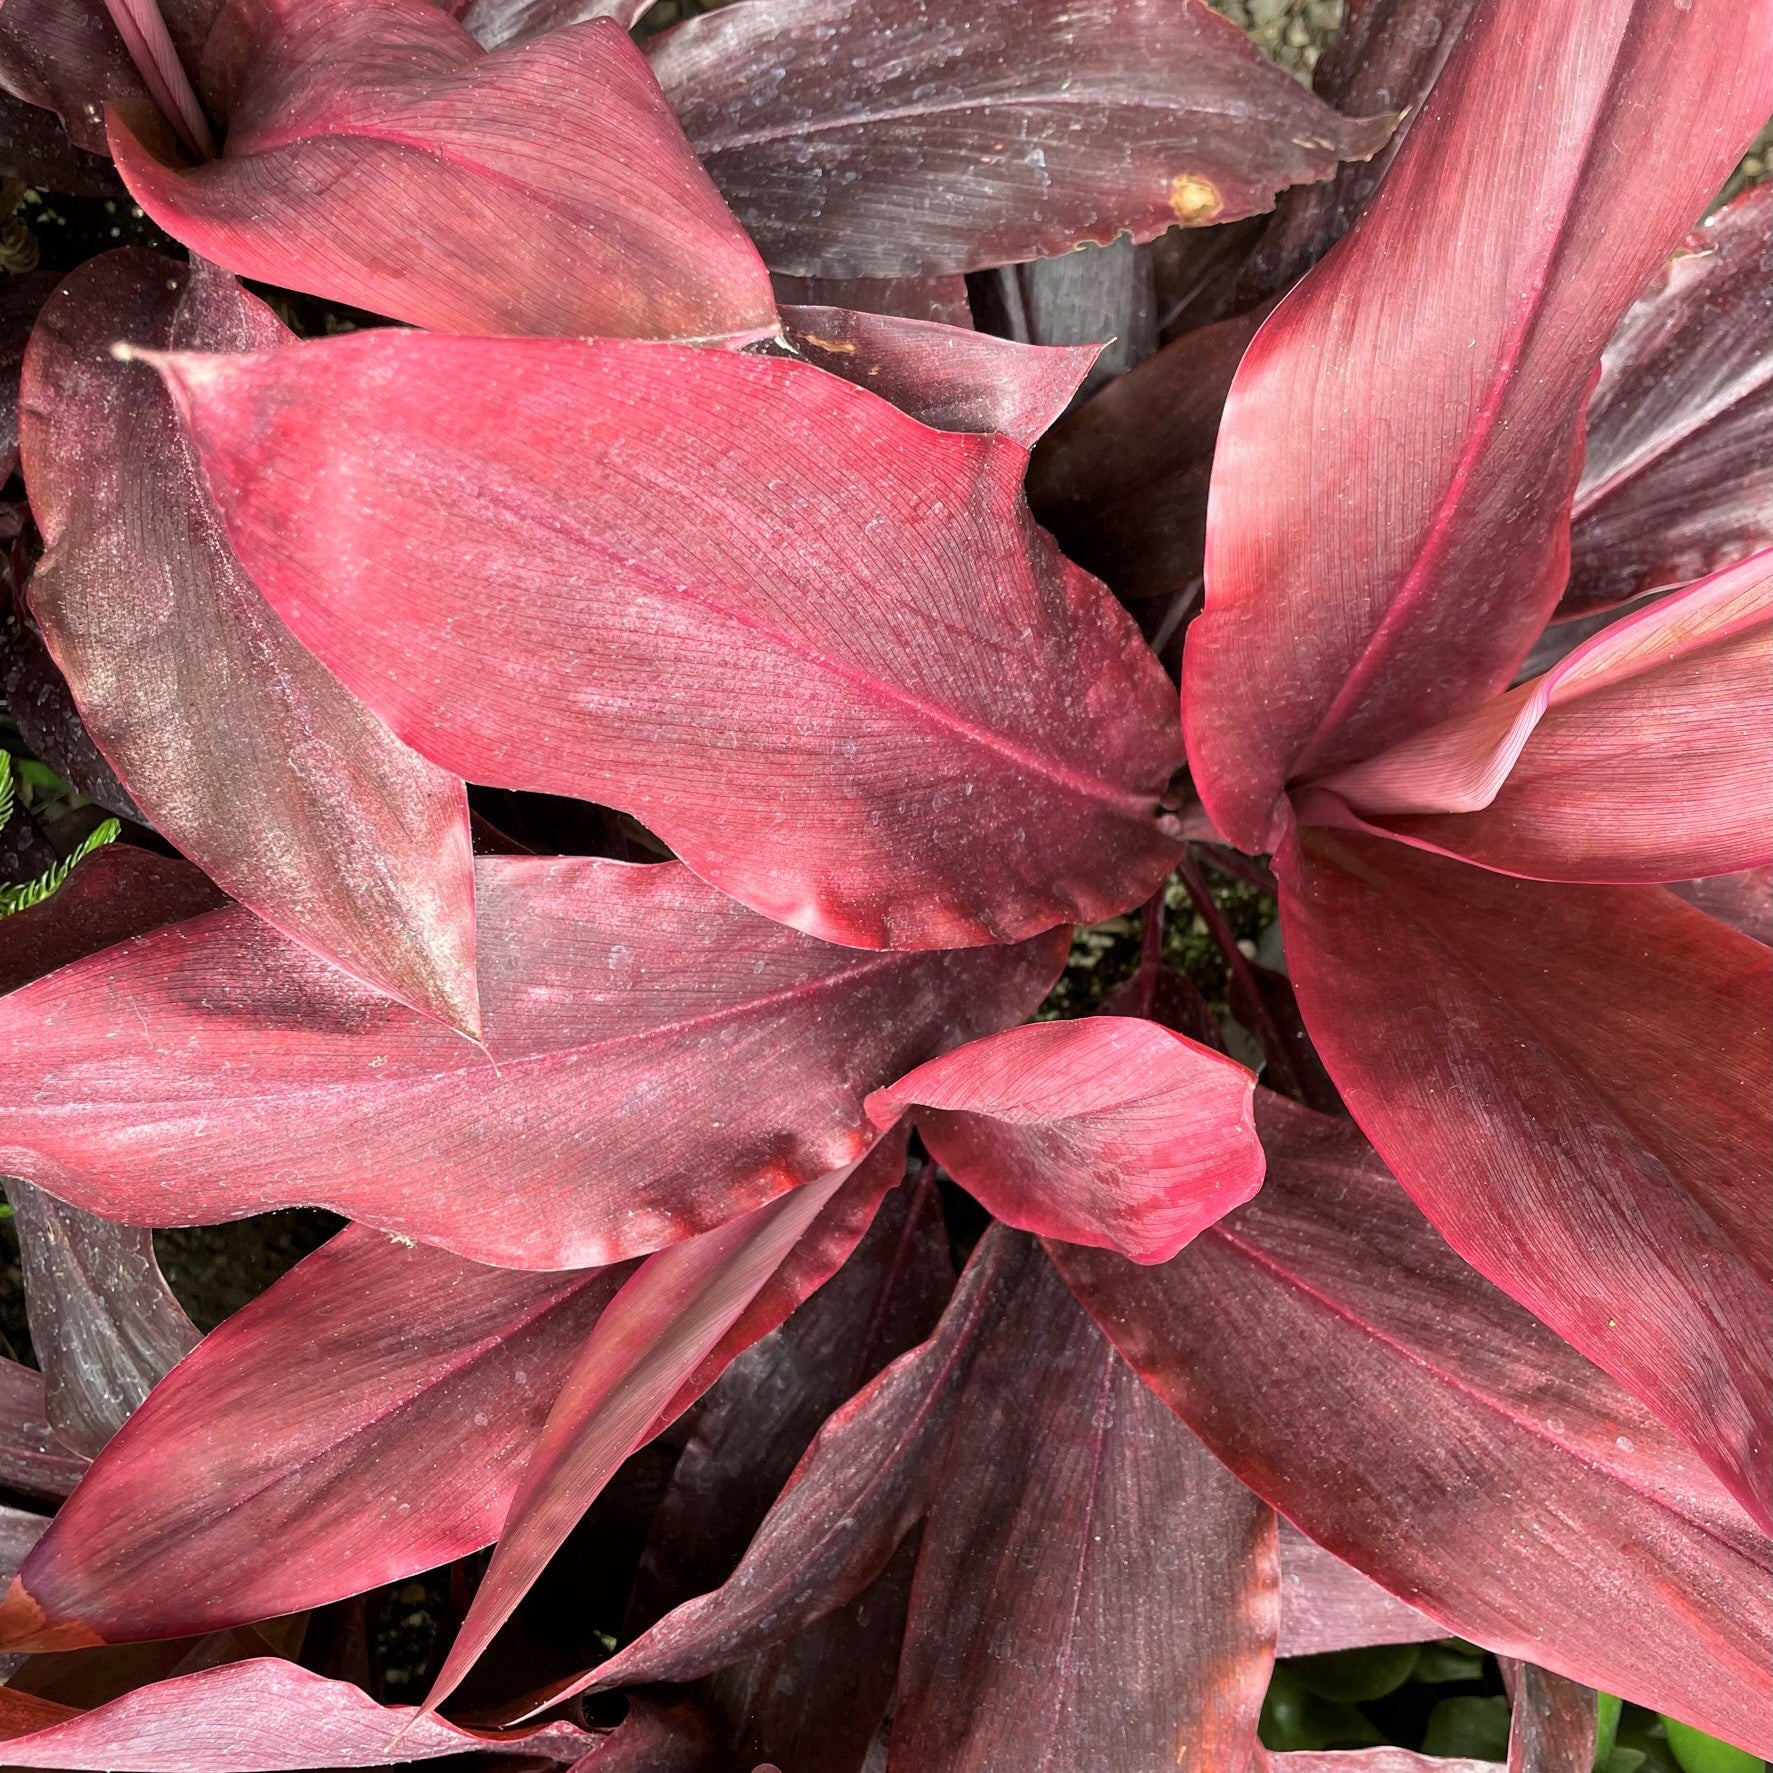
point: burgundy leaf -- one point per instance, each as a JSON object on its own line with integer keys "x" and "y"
{"x": 1743, "y": 901}
{"x": 836, "y": 663}
{"x": 855, "y": 142}
{"x": 1093, "y": 1588}
{"x": 669, "y": 1317}
{"x": 19, "y": 1531}
{"x": 365, "y": 1418}
{"x": 1109, "y": 1131}
{"x": 239, "y": 748}
{"x": 1553, "y": 1723}
{"x": 1572, "y": 1082}
{"x": 150, "y": 47}
{"x": 33, "y": 1459}
{"x": 1329, "y": 1605}
{"x": 1122, "y": 482}
{"x": 942, "y": 299}
{"x": 1416, "y": 402}
{"x": 69, "y": 59}
{"x": 261, "y": 1716}
{"x": 1101, "y": 295}
{"x": 945, "y": 377}
{"x": 1419, "y": 1424}
{"x": 657, "y": 1060}
{"x": 494, "y": 24}
{"x": 517, "y": 207}
{"x": 34, "y": 148}
{"x": 105, "y": 1325}
{"x": 20, "y": 300}
{"x": 1624, "y": 762}
{"x": 116, "y": 893}
{"x": 756, "y": 1422}
{"x": 1677, "y": 480}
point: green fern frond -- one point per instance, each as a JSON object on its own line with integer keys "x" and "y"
{"x": 34, "y": 892}
{"x": 5, "y": 789}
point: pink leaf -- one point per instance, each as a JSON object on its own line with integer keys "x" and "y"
{"x": 835, "y": 663}
{"x": 260, "y": 1716}
{"x": 945, "y": 377}
{"x": 855, "y": 142}
{"x": 657, "y": 1059}
{"x": 1329, "y": 1605}
{"x": 668, "y": 1318}
{"x": 1677, "y": 480}
{"x": 1633, "y": 759}
{"x": 144, "y": 35}
{"x": 1573, "y": 1084}
{"x": 239, "y": 747}
{"x": 1110, "y": 1131}
{"x": 1419, "y": 1424}
{"x": 1416, "y": 402}
{"x": 517, "y": 207}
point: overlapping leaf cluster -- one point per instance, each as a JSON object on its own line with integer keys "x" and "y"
{"x": 686, "y": 491}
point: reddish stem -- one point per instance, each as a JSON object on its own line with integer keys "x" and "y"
{"x": 1266, "y": 1031}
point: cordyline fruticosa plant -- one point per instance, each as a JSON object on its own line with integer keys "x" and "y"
{"x": 1474, "y": 1295}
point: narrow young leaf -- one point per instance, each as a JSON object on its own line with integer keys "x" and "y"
{"x": 1416, "y": 402}
{"x": 1109, "y": 1131}
{"x": 821, "y": 650}
{"x": 518, "y": 208}
{"x": 1572, "y": 1082}
{"x": 657, "y": 1059}
{"x": 909, "y": 141}
{"x": 238, "y": 747}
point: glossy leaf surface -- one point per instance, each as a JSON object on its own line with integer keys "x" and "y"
{"x": 657, "y": 1060}
{"x": 1636, "y": 758}
{"x": 260, "y": 1716}
{"x": 950, "y": 378}
{"x": 104, "y": 1324}
{"x": 1677, "y": 479}
{"x": 518, "y": 209}
{"x": 1417, "y": 400}
{"x": 821, "y": 650}
{"x": 236, "y": 744}
{"x": 1342, "y": 1360}
{"x": 1573, "y": 1083}
{"x": 1110, "y": 1130}
{"x": 1093, "y": 1587}
{"x": 855, "y": 141}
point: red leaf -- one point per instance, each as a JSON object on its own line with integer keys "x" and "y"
{"x": 517, "y": 208}
{"x": 1093, "y": 1588}
{"x": 1677, "y": 481}
{"x": 1354, "y": 1372}
{"x": 945, "y": 377}
{"x": 364, "y": 1419}
{"x": 1624, "y": 762}
{"x": 1416, "y": 402}
{"x": 1743, "y": 901}
{"x": 261, "y": 1716}
{"x": 237, "y": 745}
{"x": 1553, "y": 1724}
{"x": 670, "y": 1316}
{"x": 1573, "y": 1084}
{"x": 942, "y": 299}
{"x": 33, "y": 1459}
{"x": 835, "y": 662}
{"x": 1368, "y": 1760}
{"x": 1329, "y": 1605}
{"x": 104, "y": 1324}
{"x": 855, "y": 143}
{"x": 657, "y": 1060}
{"x": 1109, "y": 1131}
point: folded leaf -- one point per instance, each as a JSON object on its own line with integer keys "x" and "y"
{"x": 1416, "y": 1422}
{"x": 855, "y": 141}
{"x": 1093, "y": 1588}
{"x": 495, "y": 23}
{"x": 1638, "y": 757}
{"x": 21, "y": 299}
{"x": 262, "y": 1716}
{"x": 1572, "y": 1082}
{"x": 1100, "y": 295}
{"x": 1677, "y": 480}
{"x": 1109, "y": 1131}
{"x": 657, "y": 1060}
{"x": 821, "y": 650}
{"x": 33, "y": 1459}
{"x": 1553, "y": 1723}
{"x": 236, "y": 744}
{"x": 35, "y": 150}
{"x": 946, "y": 377}
{"x": 671, "y": 1314}
{"x": 942, "y": 299}
{"x": 518, "y": 208}
{"x": 1743, "y": 901}
{"x": 1329, "y": 1605}
{"x": 104, "y": 1324}
{"x": 70, "y": 60}
{"x": 1416, "y": 402}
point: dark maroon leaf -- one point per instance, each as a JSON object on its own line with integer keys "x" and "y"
{"x": 1553, "y": 1723}
{"x": 20, "y": 300}
{"x": 67, "y": 56}
{"x": 1677, "y": 480}
{"x": 1415, "y": 1421}
{"x": 105, "y": 1325}
{"x": 35, "y": 150}
{"x": 1101, "y": 295}
{"x": 938, "y": 138}
{"x": 32, "y": 1457}
{"x": 496, "y": 23}
{"x": 942, "y": 299}
{"x": 1743, "y": 901}
{"x": 1329, "y": 1605}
